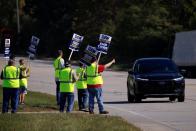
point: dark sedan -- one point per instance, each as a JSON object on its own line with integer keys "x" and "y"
{"x": 155, "y": 77}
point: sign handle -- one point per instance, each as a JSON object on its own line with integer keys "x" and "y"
{"x": 6, "y": 61}
{"x": 29, "y": 62}
{"x": 97, "y": 63}
{"x": 70, "y": 54}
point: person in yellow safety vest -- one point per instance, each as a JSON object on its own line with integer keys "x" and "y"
{"x": 23, "y": 81}
{"x": 82, "y": 88}
{"x": 94, "y": 85}
{"x": 10, "y": 76}
{"x": 58, "y": 65}
{"x": 67, "y": 79}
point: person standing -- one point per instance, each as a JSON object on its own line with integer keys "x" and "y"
{"x": 10, "y": 76}
{"x": 81, "y": 85}
{"x": 67, "y": 78}
{"x": 94, "y": 85}
{"x": 23, "y": 81}
{"x": 58, "y": 65}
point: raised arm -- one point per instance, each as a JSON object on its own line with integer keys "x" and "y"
{"x": 110, "y": 63}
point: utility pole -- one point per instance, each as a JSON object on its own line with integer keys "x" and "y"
{"x": 18, "y": 16}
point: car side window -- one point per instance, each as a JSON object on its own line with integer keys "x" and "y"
{"x": 136, "y": 68}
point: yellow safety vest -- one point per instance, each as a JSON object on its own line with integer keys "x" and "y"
{"x": 56, "y": 65}
{"x": 66, "y": 80}
{"x": 93, "y": 77}
{"x": 81, "y": 83}
{"x": 23, "y": 80}
{"x": 11, "y": 77}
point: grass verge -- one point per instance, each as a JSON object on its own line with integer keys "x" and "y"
{"x": 63, "y": 122}
{"x": 40, "y": 102}
{"x": 36, "y": 102}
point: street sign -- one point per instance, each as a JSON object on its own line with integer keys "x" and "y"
{"x": 7, "y": 49}
{"x": 7, "y": 43}
{"x": 7, "y": 53}
{"x": 90, "y": 53}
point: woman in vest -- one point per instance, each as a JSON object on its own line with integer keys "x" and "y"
{"x": 23, "y": 81}
{"x": 10, "y": 76}
{"x": 82, "y": 88}
{"x": 94, "y": 85}
{"x": 67, "y": 79}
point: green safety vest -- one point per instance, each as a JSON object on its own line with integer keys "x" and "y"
{"x": 23, "y": 80}
{"x": 81, "y": 83}
{"x": 93, "y": 77}
{"x": 56, "y": 65}
{"x": 11, "y": 77}
{"x": 66, "y": 80}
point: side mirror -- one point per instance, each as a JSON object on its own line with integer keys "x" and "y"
{"x": 131, "y": 71}
{"x": 183, "y": 72}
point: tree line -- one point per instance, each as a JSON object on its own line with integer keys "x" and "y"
{"x": 140, "y": 28}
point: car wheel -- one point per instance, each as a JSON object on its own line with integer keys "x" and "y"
{"x": 138, "y": 99}
{"x": 129, "y": 96}
{"x": 181, "y": 98}
{"x": 172, "y": 98}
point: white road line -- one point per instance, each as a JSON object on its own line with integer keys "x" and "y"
{"x": 141, "y": 115}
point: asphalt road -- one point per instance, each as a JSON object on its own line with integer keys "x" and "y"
{"x": 150, "y": 115}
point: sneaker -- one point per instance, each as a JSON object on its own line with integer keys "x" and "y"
{"x": 13, "y": 112}
{"x": 104, "y": 112}
{"x": 91, "y": 112}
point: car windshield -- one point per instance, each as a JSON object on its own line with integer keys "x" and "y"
{"x": 156, "y": 66}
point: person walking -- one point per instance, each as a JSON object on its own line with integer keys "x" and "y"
{"x": 67, "y": 78}
{"x": 81, "y": 85}
{"x": 58, "y": 65}
{"x": 10, "y": 76}
{"x": 23, "y": 81}
{"x": 94, "y": 85}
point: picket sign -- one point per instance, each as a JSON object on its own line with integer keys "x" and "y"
{"x": 90, "y": 53}
{"x": 75, "y": 43}
{"x": 103, "y": 46}
{"x": 32, "y": 48}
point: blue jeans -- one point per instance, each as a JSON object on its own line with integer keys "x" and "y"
{"x": 82, "y": 98}
{"x": 58, "y": 92}
{"x": 95, "y": 92}
{"x": 66, "y": 97}
{"x": 10, "y": 93}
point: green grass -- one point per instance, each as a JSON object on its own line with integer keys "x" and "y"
{"x": 36, "y": 102}
{"x": 63, "y": 122}
{"x": 39, "y": 102}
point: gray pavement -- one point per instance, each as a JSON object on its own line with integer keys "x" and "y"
{"x": 150, "y": 115}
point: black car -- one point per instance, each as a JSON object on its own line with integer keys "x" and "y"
{"x": 155, "y": 77}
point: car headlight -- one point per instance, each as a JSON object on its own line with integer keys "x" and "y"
{"x": 179, "y": 78}
{"x": 142, "y": 79}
